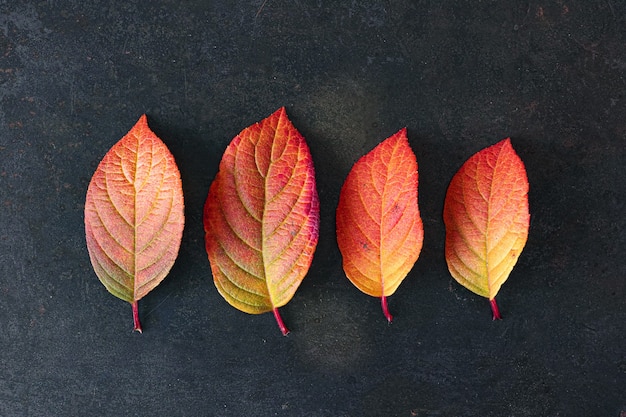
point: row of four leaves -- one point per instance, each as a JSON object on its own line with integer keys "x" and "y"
{"x": 261, "y": 217}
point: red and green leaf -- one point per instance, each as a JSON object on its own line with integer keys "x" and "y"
{"x": 379, "y": 228}
{"x": 261, "y": 217}
{"x": 134, "y": 215}
{"x": 487, "y": 220}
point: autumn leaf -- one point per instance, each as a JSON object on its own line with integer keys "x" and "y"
{"x": 261, "y": 217}
{"x": 134, "y": 215}
{"x": 486, "y": 217}
{"x": 379, "y": 228}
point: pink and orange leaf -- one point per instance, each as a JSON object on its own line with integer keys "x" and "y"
{"x": 261, "y": 217}
{"x": 134, "y": 215}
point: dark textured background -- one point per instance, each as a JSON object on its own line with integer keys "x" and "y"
{"x": 461, "y": 75}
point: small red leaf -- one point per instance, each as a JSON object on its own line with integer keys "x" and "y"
{"x": 261, "y": 217}
{"x": 487, "y": 219}
{"x": 379, "y": 228}
{"x": 134, "y": 215}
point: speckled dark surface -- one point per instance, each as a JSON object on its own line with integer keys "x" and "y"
{"x": 461, "y": 75}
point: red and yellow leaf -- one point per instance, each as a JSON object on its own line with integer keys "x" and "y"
{"x": 134, "y": 215}
{"x": 379, "y": 228}
{"x": 261, "y": 217}
{"x": 487, "y": 219}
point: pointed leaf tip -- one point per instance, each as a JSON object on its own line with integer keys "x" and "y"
{"x": 487, "y": 219}
{"x": 379, "y": 228}
{"x": 261, "y": 216}
{"x": 134, "y": 214}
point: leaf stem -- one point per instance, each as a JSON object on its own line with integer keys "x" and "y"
{"x": 279, "y": 320}
{"x": 495, "y": 310}
{"x": 136, "y": 317}
{"x": 383, "y": 303}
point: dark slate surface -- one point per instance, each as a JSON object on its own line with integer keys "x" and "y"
{"x": 461, "y": 75}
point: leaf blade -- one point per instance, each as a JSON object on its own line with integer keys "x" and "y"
{"x": 134, "y": 214}
{"x": 487, "y": 219}
{"x": 379, "y": 228}
{"x": 261, "y": 216}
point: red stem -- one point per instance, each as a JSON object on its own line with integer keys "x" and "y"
{"x": 284, "y": 330}
{"x": 495, "y": 310}
{"x": 136, "y": 317}
{"x": 383, "y": 303}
